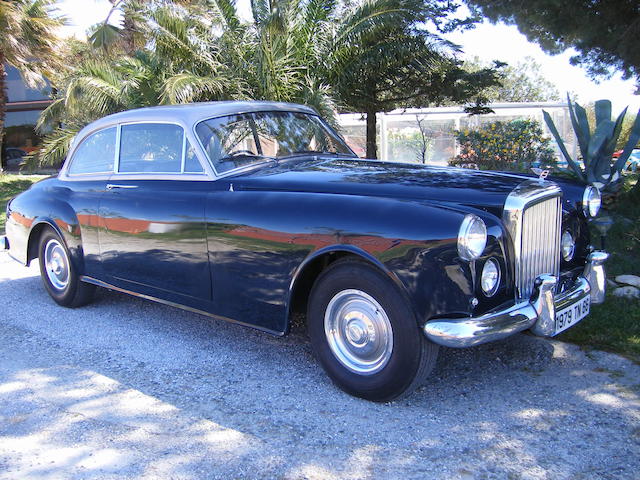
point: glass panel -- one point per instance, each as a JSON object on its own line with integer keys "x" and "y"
{"x": 420, "y": 139}
{"x": 151, "y": 148}
{"x": 95, "y": 154}
{"x": 19, "y": 130}
{"x": 191, "y": 162}
{"x": 17, "y": 91}
{"x": 229, "y": 141}
{"x": 239, "y": 140}
{"x": 356, "y": 138}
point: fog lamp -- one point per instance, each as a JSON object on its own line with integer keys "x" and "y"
{"x": 490, "y": 279}
{"x": 568, "y": 245}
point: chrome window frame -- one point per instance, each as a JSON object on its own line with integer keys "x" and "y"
{"x": 154, "y": 174}
{"x": 207, "y": 174}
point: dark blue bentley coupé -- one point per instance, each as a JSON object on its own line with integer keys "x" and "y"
{"x": 253, "y": 211}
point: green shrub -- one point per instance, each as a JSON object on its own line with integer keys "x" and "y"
{"x": 515, "y": 145}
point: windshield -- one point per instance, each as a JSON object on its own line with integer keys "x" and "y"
{"x": 238, "y": 140}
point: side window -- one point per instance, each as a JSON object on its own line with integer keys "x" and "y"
{"x": 95, "y": 154}
{"x": 151, "y": 148}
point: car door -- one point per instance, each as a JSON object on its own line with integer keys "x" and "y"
{"x": 153, "y": 235}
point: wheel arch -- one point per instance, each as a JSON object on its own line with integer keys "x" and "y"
{"x": 71, "y": 241}
{"x": 308, "y": 271}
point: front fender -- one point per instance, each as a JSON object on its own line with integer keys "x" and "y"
{"x": 416, "y": 248}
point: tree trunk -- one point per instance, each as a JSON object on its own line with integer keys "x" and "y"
{"x": 372, "y": 147}
{"x": 128, "y": 34}
{"x": 3, "y": 109}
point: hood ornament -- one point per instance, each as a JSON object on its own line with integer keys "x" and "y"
{"x": 542, "y": 174}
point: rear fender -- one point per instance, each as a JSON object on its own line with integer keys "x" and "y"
{"x": 64, "y": 222}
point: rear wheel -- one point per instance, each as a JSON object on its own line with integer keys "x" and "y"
{"x": 58, "y": 274}
{"x": 365, "y": 335}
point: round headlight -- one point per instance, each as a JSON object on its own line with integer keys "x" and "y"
{"x": 568, "y": 245}
{"x": 472, "y": 237}
{"x": 591, "y": 201}
{"x": 490, "y": 279}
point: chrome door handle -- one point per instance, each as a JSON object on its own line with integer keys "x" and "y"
{"x": 111, "y": 186}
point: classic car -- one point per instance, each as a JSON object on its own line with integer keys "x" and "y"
{"x": 254, "y": 212}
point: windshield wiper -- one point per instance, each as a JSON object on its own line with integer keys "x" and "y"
{"x": 246, "y": 155}
{"x": 310, "y": 152}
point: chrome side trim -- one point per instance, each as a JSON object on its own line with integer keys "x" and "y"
{"x": 109, "y": 286}
{"x": 111, "y": 186}
{"x": 595, "y": 274}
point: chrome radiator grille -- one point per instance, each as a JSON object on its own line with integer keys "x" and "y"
{"x": 540, "y": 244}
{"x": 533, "y": 217}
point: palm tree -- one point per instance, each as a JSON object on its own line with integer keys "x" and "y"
{"x": 280, "y": 51}
{"x": 181, "y": 67}
{"x": 129, "y": 37}
{"x": 27, "y": 43}
{"x": 191, "y": 56}
{"x": 382, "y": 57}
{"x": 368, "y": 56}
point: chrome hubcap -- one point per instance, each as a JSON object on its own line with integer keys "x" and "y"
{"x": 358, "y": 332}
{"x": 56, "y": 264}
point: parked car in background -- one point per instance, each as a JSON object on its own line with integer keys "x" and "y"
{"x": 253, "y": 211}
{"x": 633, "y": 162}
{"x": 12, "y": 157}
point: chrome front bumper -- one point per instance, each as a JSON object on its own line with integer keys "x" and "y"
{"x": 538, "y": 313}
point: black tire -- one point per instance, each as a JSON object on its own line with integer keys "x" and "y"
{"x": 68, "y": 291}
{"x": 412, "y": 355}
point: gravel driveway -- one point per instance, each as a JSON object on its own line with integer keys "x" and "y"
{"x": 125, "y": 388}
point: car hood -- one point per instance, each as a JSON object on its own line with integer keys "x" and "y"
{"x": 478, "y": 189}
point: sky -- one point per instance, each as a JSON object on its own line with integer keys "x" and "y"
{"x": 486, "y": 41}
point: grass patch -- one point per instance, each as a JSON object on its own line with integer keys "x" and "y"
{"x": 614, "y": 326}
{"x": 10, "y": 186}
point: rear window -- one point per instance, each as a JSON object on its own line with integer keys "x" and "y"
{"x": 95, "y": 154}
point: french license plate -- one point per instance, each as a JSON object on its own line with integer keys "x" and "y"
{"x": 572, "y": 314}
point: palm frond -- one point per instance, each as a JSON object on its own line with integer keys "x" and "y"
{"x": 104, "y": 36}
{"x": 50, "y": 116}
{"x": 187, "y": 87}
{"x": 55, "y": 146}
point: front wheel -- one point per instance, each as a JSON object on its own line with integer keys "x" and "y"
{"x": 365, "y": 335}
{"x": 58, "y": 274}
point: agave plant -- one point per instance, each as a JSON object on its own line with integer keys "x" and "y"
{"x": 597, "y": 147}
